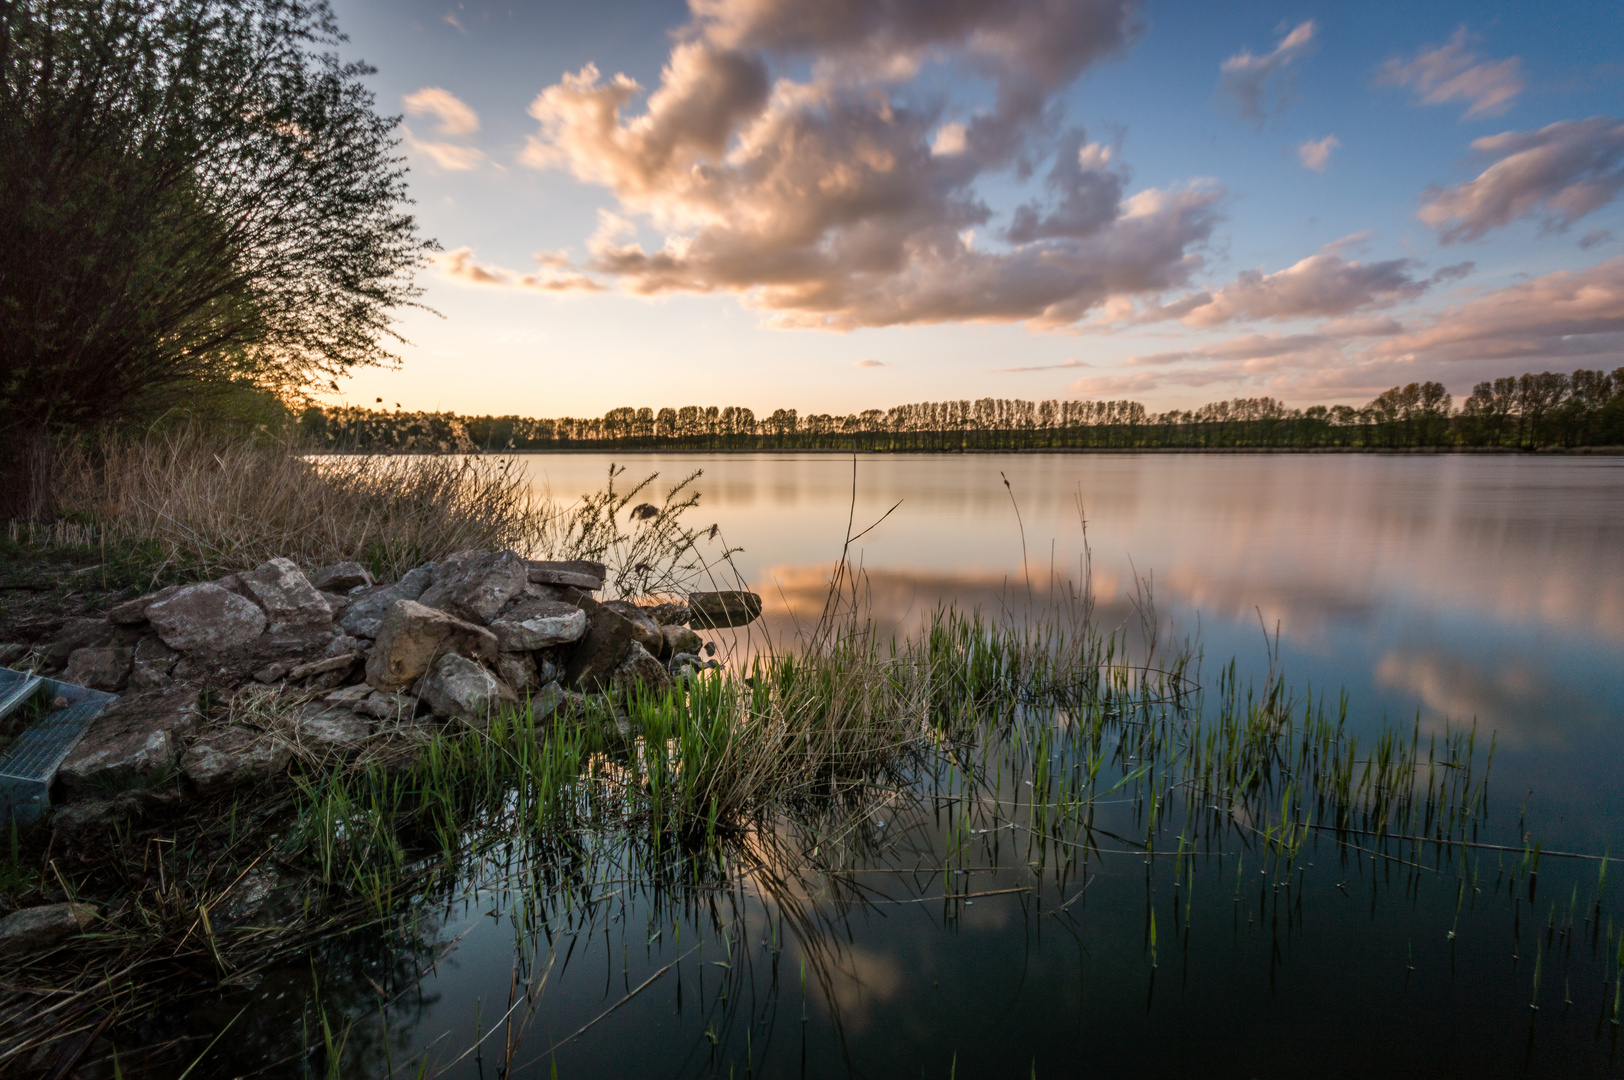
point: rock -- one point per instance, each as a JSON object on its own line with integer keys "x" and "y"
{"x": 289, "y": 600}
{"x": 460, "y": 689}
{"x": 549, "y": 665}
{"x": 11, "y": 652}
{"x": 89, "y": 818}
{"x": 413, "y": 635}
{"x": 387, "y": 707}
{"x": 332, "y": 731}
{"x": 474, "y": 585}
{"x": 274, "y": 672}
{"x": 231, "y": 666}
{"x": 337, "y": 604}
{"x": 76, "y": 634}
{"x": 718, "y": 609}
{"x": 341, "y": 577}
{"x": 229, "y": 755}
{"x": 640, "y": 672}
{"x": 367, "y": 609}
{"x": 669, "y": 614}
{"x": 41, "y": 927}
{"x": 153, "y": 660}
{"x": 349, "y": 697}
{"x": 581, "y": 573}
{"x": 206, "y": 616}
{"x": 552, "y": 698}
{"x": 106, "y": 668}
{"x": 679, "y": 639}
{"x": 518, "y": 670}
{"x": 254, "y": 894}
{"x": 683, "y": 664}
{"x": 341, "y": 663}
{"x": 645, "y": 631}
{"x": 134, "y": 612}
{"x": 134, "y": 744}
{"x": 539, "y": 624}
{"x": 589, "y": 662}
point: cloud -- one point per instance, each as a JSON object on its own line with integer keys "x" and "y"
{"x": 453, "y": 116}
{"x": 1558, "y": 173}
{"x": 870, "y": 364}
{"x": 1249, "y": 81}
{"x": 1321, "y": 285}
{"x": 1316, "y": 153}
{"x": 1598, "y": 236}
{"x": 447, "y": 155}
{"x": 1452, "y": 273}
{"x": 1065, "y": 364}
{"x": 1452, "y": 72}
{"x": 459, "y": 265}
{"x": 829, "y": 201}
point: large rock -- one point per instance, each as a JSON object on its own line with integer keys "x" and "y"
{"x": 460, "y": 689}
{"x": 331, "y": 731}
{"x": 133, "y": 745}
{"x": 645, "y": 631}
{"x": 134, "y": 612}
{"x": 106, "y": 668}
{"x": 717, "y": 609}
{"x": 669, "y": 614}
{"x": 678, "y": 640}
{"x": 76, "y": 634}
{"x": 153, "y": 662}
{"x": 590, "y": 661}
{"x": 579, "y": 573}
{"x": 341, "y": 577}
{"x": 639, "y": 672}
{"x": 230, "y": 755}
{"x": 364, "y": 616}
{"x": 387, "y": 707}
{"x": 206, "y": 616}
{"x": 413, "y": 636}
{"x": 474, "y": 585}
{"x": 539, "y": 624}
{"x": 289, "y": 600}
{"x": 41, "y": 927}
{"x": 518, "y": 670}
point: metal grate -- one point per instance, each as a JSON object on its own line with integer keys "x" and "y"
{"x": 15, "y": 688}
{"x": 29, "y": 764}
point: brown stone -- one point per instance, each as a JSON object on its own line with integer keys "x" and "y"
{"x": 41, "y": 927}
{"x": 590, "y": 661}
{"x": 413, "y": 636}
{"x": 580, "y": 573}
{"x": 638, "y": 673}
{"x": 106, "y": 668}
{"x": 719, "y": 609}
{"x": 679, "y": 639}
{"x": 645, "y": 631}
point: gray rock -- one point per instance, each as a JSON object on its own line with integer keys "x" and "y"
{"x": 540, "y": 624}
{"x": 474, "y": 585}
{"x": 76, "y": 634}
{"x": 41, "y": 927}
{"x": 684, "y": 664}
{"x": 589, "y": 662}
{"x": 580, "y": 573}
{"x": 518, "y": 670}
{"x": 289, "y": 600}
{"x": 341, "y": 577}
{"x": 679, "y": 639}
{"x": 206, "y": 616}
{"x": 332, "y": 731}
{"x": 638, "y": 673}
{"x": 552, "y": 698}
{"x": 457, "y": 688}
{"x": 326, "y": 665}
{"x": 337, "y": 604}
{"x": 365, "y": 614}
{"x": 349, "y": 697}
{"x": 90, "y": 818}
{"x": 231, "y": 666}
{"x": 230, "y": 755}
{"x": 153, "y": 661}
{"x": 719, "y": 609}
{"x": 134, "y": 744}
{"x": 413, "y": 636}
{"x": 669, "y": 614}
{"x": 134, "y": 612}
{"x": 105, "y": 668}
{"x": 645, "y": 631}
{"x": 387, "y": 707}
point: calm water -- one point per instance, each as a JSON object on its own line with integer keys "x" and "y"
{"x": 1429, "y": 589}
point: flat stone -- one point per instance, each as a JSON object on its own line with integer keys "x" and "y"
{"x": 153, "y": 661}
{"x": 206, "y": 616}
{"x": 41, "y": 927}
{"x": 457, "y": 688}
{"x": 539, "y": 625}
{"x": 134, "y": 612}
{"x": 590, "y": 661}
{"x": 231, "y": 666}
{"x": 230, "y": 755}
{"x": 89, "y": 818}
{"x": 639, "y": 672}
{"x": 645, "y": 631}
{"x": 105, "y": 668}
{"x": 289, "y": 600}
{"x": 133, "y": 745}
{"x": 679, "y": 639}
{"x": 517, "y": 669}
{"x": 387, "y": 707}
{"x": 581, "y": 573}
{"x": 341, "y": 662}
{"x": 413, "y": 636}
{"x": 364, "y": 616}
{"x": 669, "y": 614}
{"x": 349, "y": 697}
{"x": 719, "y": 609}
{"x": 340, "y": 577}
{"x": 332, "y": 731}
{"x": 473, "y": 585}
{"x": 77, "y": 633}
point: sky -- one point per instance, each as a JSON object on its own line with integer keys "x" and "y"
{"x": 835, "y": 205}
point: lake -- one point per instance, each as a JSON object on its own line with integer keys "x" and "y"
{"x": 1433, "y": 591}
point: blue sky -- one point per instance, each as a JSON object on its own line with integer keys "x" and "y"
{"x": 821, "y": 205}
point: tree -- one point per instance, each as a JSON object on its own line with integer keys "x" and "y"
{"x": 193, "y": 194}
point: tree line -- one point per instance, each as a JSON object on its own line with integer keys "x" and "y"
{"x": 1531, "y": 411}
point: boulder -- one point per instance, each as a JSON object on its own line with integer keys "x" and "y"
{"x": 153, "y": 661}
{"x": 230, "y": 755}
{"x": 413, "y": 636}
{"x": 474, "y": 585}
{"x": 669, "y": 614}
{"x": 332, "y": 731}
{"x": 105, "y": 668}
{"x": 718, "y": 609}
{"x": 590, "y": 661}
{"x": 538, "y": 624}
{"x": 206, "y": 616}
{"x": 41, "y": 927}
{"x": 341, "y": 577}
{"x": 289, "y": 600}
{"x": 645, "y": 631}
{"x": 457, "y": 688}
{"x": 580, "y": 573}
{"x": 679, "y": 639}
{"x": 367, "y": 608}
{"x": 133, "y": 745}
{"x": 76, "y": 634}
{"x": 387, "y": 707}
{"x": 228, "y": 667}
{"x": 639, "y": 672}
{"x": 134, "y": 612}
{"x": 518, "y": 670}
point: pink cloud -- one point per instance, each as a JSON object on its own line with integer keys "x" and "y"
{"x": 1247, "y": 79}
{"x": 1321, "y": 285}
{"x": 459, "y": 265}
{"x": 1452, "y": 72}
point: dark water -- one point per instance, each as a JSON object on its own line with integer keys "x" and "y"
{"x": 1432, "y": 590}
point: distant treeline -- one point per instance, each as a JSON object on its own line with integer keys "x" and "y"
{"x": 1530, "y": 411}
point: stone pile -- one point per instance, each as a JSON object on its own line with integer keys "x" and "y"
{"x": 447, "y": 643}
